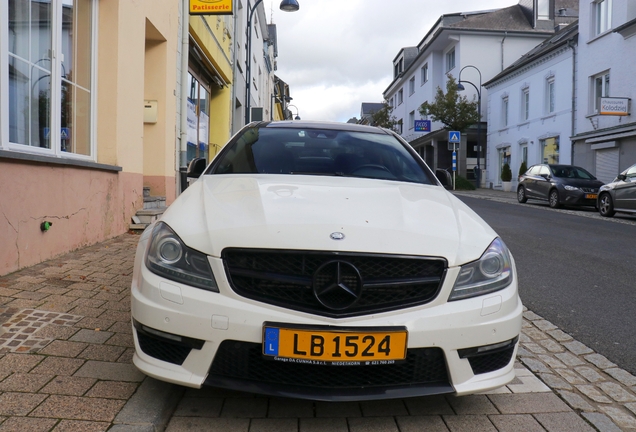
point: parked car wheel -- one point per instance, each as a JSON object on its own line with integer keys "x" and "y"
{"x": 521, "y": 195}
{"x": 606, "y": 208}
{"x": 554, "y": 199}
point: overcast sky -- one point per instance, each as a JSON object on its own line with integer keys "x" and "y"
{"x": 336, "y": 54}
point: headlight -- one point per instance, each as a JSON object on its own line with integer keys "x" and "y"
{"x": 168, "y": 257}
{"x": 571, "y": 188}
{"x": 491, "y": 272}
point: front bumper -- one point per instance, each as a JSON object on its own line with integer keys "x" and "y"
{"x": 578, "y": 198}
{"x": 210, "y": 322}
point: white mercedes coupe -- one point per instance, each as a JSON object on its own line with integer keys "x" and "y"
{"x": 324, "y": 261}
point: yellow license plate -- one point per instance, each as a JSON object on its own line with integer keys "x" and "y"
{"x": 591, "y": 196}
{"x": 334, "y": 345}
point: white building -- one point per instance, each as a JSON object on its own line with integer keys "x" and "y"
{"x": 530, "y": 108}
{"x": 605, "y": 144}
{"x": 483, "y": 43}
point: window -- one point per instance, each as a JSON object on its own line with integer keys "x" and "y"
{"x": 400, "y": 97}
{"x": 524, "y": 154}
{"x": 525, "y": 104}
{"x": 602, "y": 16}
{"x": 543, "y": 12}
{"x": 398, "y": 68}
{"x": 412, "y": 120}
{"x": 504, "y": 111}
{"x": 424, "y": 74}
{"x": 450, "y": 60}
{"x": 549, "y": 96}
{"x": 600, "y": 88}
{"x": 399, "y": 126}
{"x": 198, "y": 118}
{"x": 411, "y": 86}
{"x": 550, "y": 150}
{"x": 50, "y": 96}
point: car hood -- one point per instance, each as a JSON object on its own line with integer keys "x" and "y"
{"x": 301, "y": 212}
{"x": 581, "y": 183}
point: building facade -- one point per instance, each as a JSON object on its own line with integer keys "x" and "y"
{"x": 473, "y": 47}
{"x": 103, "y": 102}
{"x": 530, "y": 108}
{"x": 604, "y": 140}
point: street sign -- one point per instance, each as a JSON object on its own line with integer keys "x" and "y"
{"x": 422, "y": 126}
{"x": 454, "y": 137}
{"x": 454, "y": 161}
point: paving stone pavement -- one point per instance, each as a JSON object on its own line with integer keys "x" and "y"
{"x": 66, "y": 365}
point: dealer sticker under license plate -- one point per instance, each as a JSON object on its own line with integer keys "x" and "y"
{"x": 335, "y": 346}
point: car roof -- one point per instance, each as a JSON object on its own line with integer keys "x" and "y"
{"x": 308, "y": 124}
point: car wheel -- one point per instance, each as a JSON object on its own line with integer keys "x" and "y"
{"x": 521, "y": 195}
{"x": 554, "y": 199}
{"x": 607, "y": 206}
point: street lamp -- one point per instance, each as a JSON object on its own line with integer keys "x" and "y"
{"x": 460, "y": 87}
{"x": 287, "y": 6}
{"x": 297, "y": 116}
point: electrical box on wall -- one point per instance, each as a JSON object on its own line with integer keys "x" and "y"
{"x": 150, "y": 111}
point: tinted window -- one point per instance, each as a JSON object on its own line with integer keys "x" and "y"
{"x": 566, "y": 171}
{"x": 320, "y": 152}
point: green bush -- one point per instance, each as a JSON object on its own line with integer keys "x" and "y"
{"x": 506, "y": 173}
{"x": 522, "y": 169}
{"x": 463, "y": 184}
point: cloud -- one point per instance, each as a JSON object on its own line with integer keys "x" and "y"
{"x": 337, "y": 54}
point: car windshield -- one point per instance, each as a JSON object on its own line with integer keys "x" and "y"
{"x": 306, "y": 151}
{"x": 564, "y": 171}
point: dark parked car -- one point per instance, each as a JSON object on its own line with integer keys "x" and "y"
{"x": 559, "y": 185}
{"x": 619, "y": 195}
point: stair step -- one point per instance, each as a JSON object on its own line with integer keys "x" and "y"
{"x": 154, "y": 202}
{"x": 138, "y": 226}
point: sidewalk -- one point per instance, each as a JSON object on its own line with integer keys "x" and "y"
{"x": 65, "y": 365}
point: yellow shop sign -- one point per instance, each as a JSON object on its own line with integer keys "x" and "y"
{"x": 210, "y": 7}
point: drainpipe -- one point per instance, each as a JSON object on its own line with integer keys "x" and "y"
{"x": 182, "y": 154}
{"x": 572, "y": 47}
{"x": 502, "y": 49}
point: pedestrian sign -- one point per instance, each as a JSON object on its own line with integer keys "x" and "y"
{"x": 454, "y": 137}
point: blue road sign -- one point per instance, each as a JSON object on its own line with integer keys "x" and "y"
{"x": 422, "y": 126}
{"x": 454, "y": 136}
{"x": 454, "y": 161}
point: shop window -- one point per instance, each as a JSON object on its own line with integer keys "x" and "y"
{"x": 550, "y": 150}
{"x": 198, "y": 119}
{"x": 50, "y": 97}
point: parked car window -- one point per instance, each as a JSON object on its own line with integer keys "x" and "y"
{"x": 534, "y": 170}
{"x": 272, "y": 150}
{"x": 631, "y": 172}
{"x": 571, "y": 172}
{"x": 544, "y": 170}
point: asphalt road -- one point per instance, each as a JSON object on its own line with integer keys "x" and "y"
{"x": 577, "y": 271}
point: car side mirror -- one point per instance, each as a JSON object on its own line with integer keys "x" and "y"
{"x": 444, "y": 178}
{"x": 196, "y": 167}
{"x": 622, "y": 177}
{"x": 545, "y": 176}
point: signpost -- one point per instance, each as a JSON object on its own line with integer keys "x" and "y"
{"x": 454, "y": 137}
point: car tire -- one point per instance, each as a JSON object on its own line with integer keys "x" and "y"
{"x": 606, "y": 207}
{"x": 553, "y": 199}
{"x": 521, "y": 195}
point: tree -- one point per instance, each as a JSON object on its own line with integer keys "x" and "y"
{"x": 456, "y": 112}
{"x": 383, "y": 117}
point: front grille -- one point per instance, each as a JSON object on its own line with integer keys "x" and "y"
{"x": 589, "y": 190}
{"x": 287, "y": 278}
{"x": 245, "y": 361}
{"x": 491, "y": 362}
{"x": 163, "y": 350}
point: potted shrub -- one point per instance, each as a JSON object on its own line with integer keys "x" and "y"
{"x": 506, "y": 177}
{"x": 522, "y": 169}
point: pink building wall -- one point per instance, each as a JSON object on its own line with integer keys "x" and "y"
{"x": 85, "y": 205}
